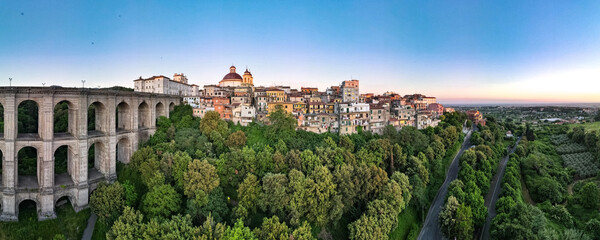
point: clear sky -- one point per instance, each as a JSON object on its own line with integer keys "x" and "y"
{"x": 460, "y": 51}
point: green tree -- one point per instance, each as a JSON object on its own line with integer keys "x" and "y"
{"x": 196, "y": 204}
{"x": 211, "y": 230}
{"x": 589, "y": 196}
{"x": 130, "y": 194}
{"x": 324, "y": 203}
{"x": 366, "y": 228}
{"x": 181, "y": 161}
{"x": 561, "y": 215}
{"x": 108, "y": 201}
{"x": 464, "y": 222}
{"x": 178, "y": 227}
{"x": 128, "y": 226}
{"x": 216, "y": 205}
{"x": 212, "y": 122}
{"x": 200, "y": 175}
{"x": 476, "y": 139}
{"x": 449, "y": 135}
{"x": 396, "y": 193}
{"x": 456, "y": 189}
{"x": 161, "y": 201}
{"x": 593, "y": 228}
{"x": 238, "y": 232}
{"x": 304, "y": 232}
{"x": 142, "y": 155}
{"x": 274, "y": 197}
{"x": 283, "y": 125}
{"x": 346, "y": 143}
{"x": 347, "y": 183}
{"x": 447, "y": 217}
{"x": 522, "y": 222}
{"x": 272, "y": 229}
{"x": 248, "y": 192}
{"x": 236, "y": 139}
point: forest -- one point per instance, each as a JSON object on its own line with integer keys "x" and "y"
{"x": 210, "y": 179}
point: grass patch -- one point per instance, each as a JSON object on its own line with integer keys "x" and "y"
{"x": 593, "y": 126}
{"x": 68, "y": 223}
{"x": 100, "y": 230}
{"x": 409, "y": 225}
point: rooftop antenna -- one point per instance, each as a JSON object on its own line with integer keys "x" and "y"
{"x": 43, "y": 84}
{"x": 10, "y": 82}
{"x": 83, "y": 83}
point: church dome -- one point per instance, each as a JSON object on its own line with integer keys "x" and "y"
{"x": 232, "y": 75}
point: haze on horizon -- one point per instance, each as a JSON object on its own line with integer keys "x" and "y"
{"x": 467, "y": 52}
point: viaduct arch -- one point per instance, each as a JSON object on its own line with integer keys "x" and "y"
{"x": 122, "y": 120}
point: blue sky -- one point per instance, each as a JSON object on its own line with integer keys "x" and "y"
{"x": 459, "y": 51}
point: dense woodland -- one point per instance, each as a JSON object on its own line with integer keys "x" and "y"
{"x": 209, "y": 179}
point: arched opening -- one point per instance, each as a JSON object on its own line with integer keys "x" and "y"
{"x": 171, "y": 107}
{"x": 1, "y": 121}
{"x": 97, "y": 161}
{"x": 1, "y": 163}
{"x": 28, "y": 119}
{"x": 27, "y": 168}
{"x": 97, "y": 121}
{"x": 27, "y": 210}
{"x": 64, "y": 166}
{"x": 63, "y": 202}
{"x": 144, "y": 115}
{"x": 160, "y": 110}
{"x": 123, "y": 117}
{"x": 123, "y": 150}
{"x": 64, "y": 119}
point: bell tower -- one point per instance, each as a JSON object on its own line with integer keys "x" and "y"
{"x": 247, "y": 78}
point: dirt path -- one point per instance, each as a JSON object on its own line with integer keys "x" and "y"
{"x": 570, "y": 186}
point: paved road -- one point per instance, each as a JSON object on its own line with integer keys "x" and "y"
{"x": 492, "y": 196}
{"x": 431, "y": 228}
{"x": 89, "y": 230}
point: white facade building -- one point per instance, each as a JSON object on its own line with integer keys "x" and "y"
{"x": 163, "y": 85}
{"x": 243, "y": 114}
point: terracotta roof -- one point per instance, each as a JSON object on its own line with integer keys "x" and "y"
{"x": 273, "y": 89}
{"x": 232, "y": 76}
{"x": 151, "y": 78}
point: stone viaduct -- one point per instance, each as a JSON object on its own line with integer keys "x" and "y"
{"x": 122, "y": 120}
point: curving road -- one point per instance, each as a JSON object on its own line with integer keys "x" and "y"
{"x": 492, "y": 196}
{"x": 431, "y": 228}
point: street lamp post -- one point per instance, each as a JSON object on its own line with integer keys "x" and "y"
{"x": 83, "y": 83}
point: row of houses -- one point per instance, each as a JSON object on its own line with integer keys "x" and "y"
{"x": 341, "y": 109}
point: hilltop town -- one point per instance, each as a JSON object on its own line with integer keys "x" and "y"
{"x": 339, "y": 109}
